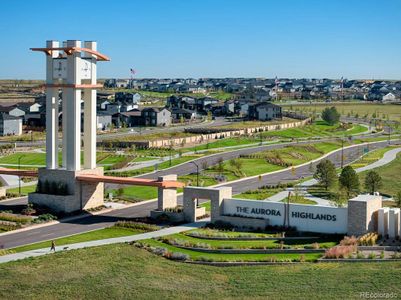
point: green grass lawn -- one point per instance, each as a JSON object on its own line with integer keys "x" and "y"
{"x": 24, "y": 189}
{"x": 143, "y": 158}
{"x": 268, "y": 244}
{"x": 100, "y": 234}
{"x": 164, "y": 165}
{"x": 259, "y": 194}
{"x": 134, "y": 193}
{"x": 26, "y": 158}
{"x": 382, "y": 111}
{"x": 39, "y": 159}
{"x": 195, "y": 255}
{"x": 124, "y": 272}
{"x": 111, "y": 159}
{"x": 317, "y": 129}
{"x": 300, "y": 200}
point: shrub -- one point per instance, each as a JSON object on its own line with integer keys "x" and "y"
{"x": 29, "y": 210}
{"x": 44, "y": 218}
{"x": 372, "y": 255}
{"x": 8, "y": 227}
{"x": 177, "y": 209}
{"x": 179, "y": 256}
{"x": 204, "y": 258}
{"x": 136, "y": 225}
{"x": 349, "y": 241}
{"x": 6, "y": 251}
{"x": 339, "y": 252}
{"x": 159, "y": 251}
{"x": 15, "y": 218}
{"x": 360, "y": 255}
{"x": 271, "y": 259}
{"x": 220, "y": 225}
{"x": 368, "y": 239}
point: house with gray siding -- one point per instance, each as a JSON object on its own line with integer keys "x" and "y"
{"x": 265, "y": 111}
{"x": 10, "y": 125}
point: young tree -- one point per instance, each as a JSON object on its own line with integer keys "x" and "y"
{"x": 397, "y": 199}
{"x": 330, "y": 115}
{"x": 325, "y": 173}
{"x": 220, "y": 165}
{"x": 349, "y": 180}
{"x": 341, "y": 197}
{"x": 373, "y": 181}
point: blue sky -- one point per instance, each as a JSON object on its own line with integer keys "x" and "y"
{"x": 206, "y": 38}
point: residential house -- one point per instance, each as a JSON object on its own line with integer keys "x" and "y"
{"x": 265, "y": 111}
{"x": 156, "y": 116}
{"x": 103, "y": 120}
{"x": 10, "y": 125}
{"x": 149, "y": 116}
{"x": 12, "y": 111}
{"x": 393, "y": 96}
{"x": 182, "y": 114}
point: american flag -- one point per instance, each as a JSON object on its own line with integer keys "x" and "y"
{"x": 342, "y": 80}
{"x": 133, "y": 72}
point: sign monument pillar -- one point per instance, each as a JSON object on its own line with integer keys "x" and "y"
{"x": 71, "y": 72}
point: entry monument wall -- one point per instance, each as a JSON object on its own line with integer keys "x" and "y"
{"x": 358, "y": 218}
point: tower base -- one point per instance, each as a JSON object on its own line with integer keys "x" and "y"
{"x": 60, "y": 191}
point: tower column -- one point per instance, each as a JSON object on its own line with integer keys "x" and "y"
{"x": 51, "y": 112}
{"x": 89, "y": 129}
{"x": 90, "y": 112}
{"x": 64, "y": 128}
{"x": 73, "y": 109}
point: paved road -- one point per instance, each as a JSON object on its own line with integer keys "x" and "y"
{"x": 107, "y": 219}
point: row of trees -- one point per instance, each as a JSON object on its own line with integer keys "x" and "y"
{"x": 348, "y": 180}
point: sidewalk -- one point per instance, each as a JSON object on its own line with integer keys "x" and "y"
{"x": 125, "y": 239}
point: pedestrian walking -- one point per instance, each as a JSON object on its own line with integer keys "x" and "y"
{"x": 53, "y": 246}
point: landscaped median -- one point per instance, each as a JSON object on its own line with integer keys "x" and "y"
{"x": 216, "y": 246}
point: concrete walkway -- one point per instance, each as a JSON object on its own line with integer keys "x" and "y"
{"x": 388, "y": 157}
{"x": 124, "y": 239}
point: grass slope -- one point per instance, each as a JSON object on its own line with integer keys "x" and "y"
{"x": 125, "y": 272}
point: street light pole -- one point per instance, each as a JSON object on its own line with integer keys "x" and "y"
{"x": 197, "y": 172}
{"x": 19, "y": 176}
{"x": 342, "y": 153}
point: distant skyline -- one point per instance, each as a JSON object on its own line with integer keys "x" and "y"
{"x": 356, "y": 39}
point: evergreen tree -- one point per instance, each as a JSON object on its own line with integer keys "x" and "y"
{"x": 397, "y": 199}
{"x": 373, "y": 181}
{"x": 325, "y": 173}
{"x": 330, "y": 115}
{"x": 349, "y": 180}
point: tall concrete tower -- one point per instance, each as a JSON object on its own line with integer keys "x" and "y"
{"x": 71, "y": 69}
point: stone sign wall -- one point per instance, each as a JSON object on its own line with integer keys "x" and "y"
{"x": 312, "y": 218}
